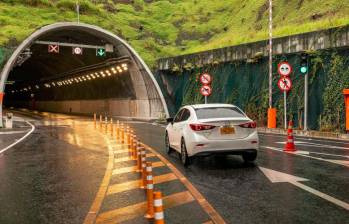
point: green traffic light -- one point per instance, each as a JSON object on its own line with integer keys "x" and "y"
{"x": 304, "y": 69}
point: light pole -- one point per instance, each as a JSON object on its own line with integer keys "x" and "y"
{"x": 271, "y": 110}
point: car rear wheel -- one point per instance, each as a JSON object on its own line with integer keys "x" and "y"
{"x": 249, "y": 156}
{"x": 167, "y": 144}
{"x": 184, "y": 155}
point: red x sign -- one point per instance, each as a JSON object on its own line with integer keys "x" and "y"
{"x": 53, "y": 48}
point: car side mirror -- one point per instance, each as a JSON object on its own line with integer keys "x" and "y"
{"x": 169, "y": 120}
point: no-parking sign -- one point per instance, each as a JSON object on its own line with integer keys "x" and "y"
{"x": 205, "y": 79}
{"x": 206, "y": 90}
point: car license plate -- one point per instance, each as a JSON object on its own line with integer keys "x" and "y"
{"x": 227, "y": 130}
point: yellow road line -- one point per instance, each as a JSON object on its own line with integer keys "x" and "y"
{"x": 130, "y": 169}
{"x": 97, "y": 203}
{"x": 136, "y": 210}
{"x": 117, "y": 188}
{"x": 127, "y": 158}
{"x": 120, "y": 151}
{"x": 214, "y": 215}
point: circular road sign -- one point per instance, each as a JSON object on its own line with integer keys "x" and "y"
{"x": 285, "y": 84}
{"x": 206, "y": 90}
{"x": 205, "y": 79}
{"x": 284, "y": 68}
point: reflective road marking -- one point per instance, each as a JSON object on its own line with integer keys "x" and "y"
{"x": 19, "y": 140}
{"x": 117, "y": 188}
{"x": 133, "y": 211}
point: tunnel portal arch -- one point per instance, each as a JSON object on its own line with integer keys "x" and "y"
{"x": 149, "y": 102}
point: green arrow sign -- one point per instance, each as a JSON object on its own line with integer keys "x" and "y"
{"x": 100, "y": 52}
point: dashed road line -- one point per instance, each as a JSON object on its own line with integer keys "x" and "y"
{"x": 214, "y": 215}
{"x": 126, "y": 186}
{"x": 133, "y": 211}
{"x": 130, "y": 169}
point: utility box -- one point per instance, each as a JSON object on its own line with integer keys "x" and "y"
{"x": 9, "y": 120}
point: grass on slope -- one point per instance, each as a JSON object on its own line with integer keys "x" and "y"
{"x": 170, "y": 27}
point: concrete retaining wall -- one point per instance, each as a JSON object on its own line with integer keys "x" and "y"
{"x": 112, "y": 107}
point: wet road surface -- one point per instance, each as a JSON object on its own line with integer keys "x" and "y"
{"x": 54, "y": 175}
{"x": 241, "y": 193}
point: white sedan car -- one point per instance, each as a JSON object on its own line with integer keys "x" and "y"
{"x": 207, "y": 129}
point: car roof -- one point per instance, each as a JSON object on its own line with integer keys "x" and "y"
{"x": 211, "y": 105}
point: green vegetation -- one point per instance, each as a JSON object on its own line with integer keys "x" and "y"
{"x": 162, "y": 28}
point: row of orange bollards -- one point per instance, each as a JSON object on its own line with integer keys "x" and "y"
{"x": 125, "y": 135}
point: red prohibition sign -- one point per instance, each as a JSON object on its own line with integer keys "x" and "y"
{"x": 206, "y": 90}
{"x": 205, "y": 79}
{"x": 285, "y": 84}
{"x": 53, "y": 48}
{"x": 284, "y": 68}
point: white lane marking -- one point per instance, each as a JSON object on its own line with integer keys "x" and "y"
{"x": 318, "y": 139}
{"x": 19, "y": 140}
{"x": 278, "y": 177}
{"x": 13, "y": 132}
{"x": 311, "y": 157}
{"x": 315, "y": 145}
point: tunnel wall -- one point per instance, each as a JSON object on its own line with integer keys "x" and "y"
{"x": 110, "y": 107}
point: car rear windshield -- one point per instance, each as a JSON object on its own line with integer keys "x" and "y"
{"x": 218, "y": 112}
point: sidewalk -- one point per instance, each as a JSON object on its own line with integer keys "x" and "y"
{"x": 313, "y": 134}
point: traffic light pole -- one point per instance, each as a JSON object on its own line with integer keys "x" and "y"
{"x": 306, "y": 80}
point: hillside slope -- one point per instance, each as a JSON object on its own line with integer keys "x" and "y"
{"x": 162, "y": 28}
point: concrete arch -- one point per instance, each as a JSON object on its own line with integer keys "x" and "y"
{"x": 146, "y": 86}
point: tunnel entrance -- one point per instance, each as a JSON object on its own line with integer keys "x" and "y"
{"x": 80, "y": 68}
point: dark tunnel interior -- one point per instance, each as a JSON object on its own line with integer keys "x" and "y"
{"x": 67, "y": 76}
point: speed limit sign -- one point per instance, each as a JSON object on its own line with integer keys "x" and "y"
{"x": 284, "y": 68}
{"x": 205, "y": 79}
{"x": 206, "y": 90}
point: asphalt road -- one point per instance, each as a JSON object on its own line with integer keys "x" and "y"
{"x": 54, "y": 175}
{"x": 241, "y": 193}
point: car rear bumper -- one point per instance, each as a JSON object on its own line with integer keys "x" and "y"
{"x": 203, "y": 146}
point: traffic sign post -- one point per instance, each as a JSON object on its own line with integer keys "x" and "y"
{"x": 284, "y": 68}
{"x": 285, "y": 84}
{"x": 77, "y": 50}
{"x": 206, "y": 91}
{"x": 53, "y": 48}
{"x": 100, "y": 52}
{"x": 206, "y": 79}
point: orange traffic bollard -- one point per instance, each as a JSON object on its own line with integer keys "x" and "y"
{"x": 139, "y": 159}
{"x": 290, "y": 147}
{"x": 134, "y": 150}
{"x": 117, "y": 130}
{"x": 158, "y": 208}
{"x": 150, "y": 187}
{"x": 100, "y": 122}
{"x": 106, "y": 124}
{"x": 95, "y": 120}
{"x": 143, "y": 163}
{"x": 111, "y": 127}
{"x": 122, "y": 133}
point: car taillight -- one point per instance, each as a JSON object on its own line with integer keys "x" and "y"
{"x": 201, "y": 127}
{"x": 251, "y": 124}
